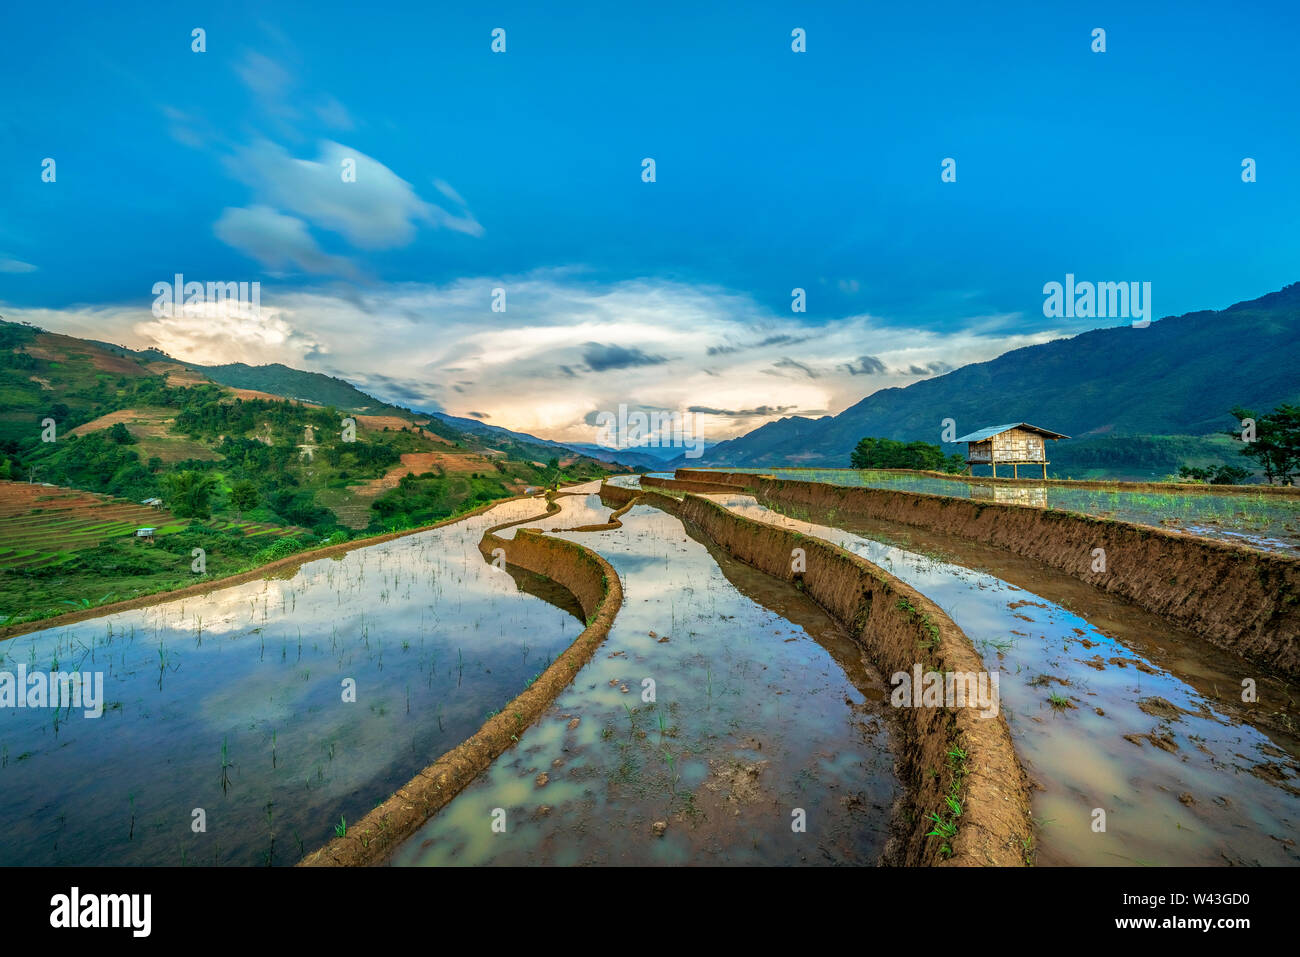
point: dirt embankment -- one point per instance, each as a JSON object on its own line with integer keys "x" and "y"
{"x": 683, "y": 485}
{"x": 1242, "y": 600}
{"x": 899, "y": 628}
{"x": 595, "y": 584}
{"x": 1177, "y": 488}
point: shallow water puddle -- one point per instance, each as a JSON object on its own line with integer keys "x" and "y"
{"x": 1098, "y": 726}
{"x": 232, "y": 703}
{"x": 761, "y": 706}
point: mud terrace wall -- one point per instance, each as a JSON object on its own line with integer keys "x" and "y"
{"x": 682, "y": 485}
{"x": 1240, "y": 599}
{"x": 596, "y": 586}
{"x": 898, "y": 627}
{"x": 1175, "y": 488}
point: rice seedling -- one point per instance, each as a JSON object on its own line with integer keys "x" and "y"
{"x": 631, "y": 718}
{"x": 225, "y": 766}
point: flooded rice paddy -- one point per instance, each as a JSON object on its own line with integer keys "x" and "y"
{"x": 1182, "y": 779}
{"x": 1262, "y": 521}
{"x": 232, "y": 703}
{"x": 726, "y": 718}
{"x": 763, "y": 713}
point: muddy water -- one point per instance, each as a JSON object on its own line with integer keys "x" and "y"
{"x": 762, "y": 707}
{"x": 1098, "y": 725}
{"x": 1266, "y": 522}
{"x": 233, "y": 703}
{"x": 1184, "y": 654}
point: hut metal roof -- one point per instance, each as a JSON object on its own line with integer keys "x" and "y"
{"x": 991, "y": 431}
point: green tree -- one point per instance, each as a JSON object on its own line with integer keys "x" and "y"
{"x": 1219, "y": 475}
{"x": 243, "y": 498}
{"x": 118, "y": 433}
{"x": 875, "y": 453}
{"x": 1276, "y": 444}
{"x": 191, "y": 493}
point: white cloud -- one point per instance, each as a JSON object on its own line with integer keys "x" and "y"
{"x": 277, "y": 241}
{"x": 380, "y": 210}
{"x": 425, "y": 345}
{"x": 15, "y": 266}
{"x": 334, "y": 114}
{"x": 214, "y": 339}
{"x": 294, "y": 196}
{"x": 268, "y": 80}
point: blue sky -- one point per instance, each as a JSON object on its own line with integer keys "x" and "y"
{"x": 775, "y": 170}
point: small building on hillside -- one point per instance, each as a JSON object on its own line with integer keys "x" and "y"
{"x": 1016, "y": 444}
{"x": 145, "y": 534}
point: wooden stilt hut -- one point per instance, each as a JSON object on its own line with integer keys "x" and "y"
{"x": 1016, "y": 444}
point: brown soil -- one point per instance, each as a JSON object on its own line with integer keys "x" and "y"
{"x": 1240, "y": 599}
{"x": 397, "y": 423}
{"x": 178, "y": 376}
{"x": 897, "y": 626}
{"x": 268, "y": 396}
{"x": 1173, "y": 647}
{"x": 105, "y": 421}
{"x": 1160, "y": 708}
{"x": 380, "y": 422}
{"x": 140, "y": 422}
{"x": 1176, "y": 487}
{"x": 737, "y": 782}
{"x": 152, "y": 430}
{"x": 57, "y": 348}
{"x": 418, "y": 463}
{"x": 683, "y": 485}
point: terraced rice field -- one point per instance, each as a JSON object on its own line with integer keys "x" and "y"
{"x": 230, "y": 701}
{"x": 1100, "y": 723}
{"x": 45, "y": 524}
{"x": 725, "y": 716}
{"x": 1267, "y": 522}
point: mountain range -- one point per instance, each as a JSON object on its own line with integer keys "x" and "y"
{"x": 1135, "y": 401}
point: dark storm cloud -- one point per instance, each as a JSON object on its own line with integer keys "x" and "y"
{"x": 930, "y": 368}
{"x": 788, "y": 363}
{"x": 405, "y": 392}
{"x": 743, "y": 413}
{"x": 779, "y": 340}
{"x": 866, "y": 365}
{"x": 602, "y": 358}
